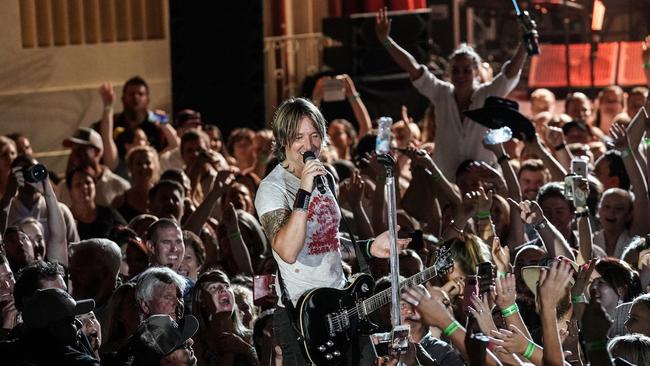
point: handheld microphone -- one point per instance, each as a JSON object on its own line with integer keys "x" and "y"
{"x": 318, "y": 180}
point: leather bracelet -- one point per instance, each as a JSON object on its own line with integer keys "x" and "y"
{"x": 503, "y": 158}
{"x": 541, "y": 225}
{"x": 560, "y": 146}
{"x": 302, "y": 200}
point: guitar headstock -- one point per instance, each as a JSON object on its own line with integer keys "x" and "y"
{"x": 443, "y": 261}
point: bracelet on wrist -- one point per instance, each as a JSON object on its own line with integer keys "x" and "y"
{"x": 503, "y": 158}
{"x": 483, "y": 215}
{"x": 510, "y": 310}
{"x": 302, "y": 200}
{"x": 387, "y": 43}
{"x": 596, "y": 345}
{"x": 380, "y": 179}
{"x": 455, "y": 227}
{"x": 540, "y": 225}
{"x": 108, "y": 108}
{"x": 579, "y": 299}
{"x": 354, "y": 97}
{"x": 626, "y": 152}
{"x": 368, "y": 245}
{"x": 582, "y": 212}
{"x": 560, "y": 146}
{"x": 530, "y": 349}
{"x": 436, "y": 177}
{"x": 451, "y": 328}
{"x": 234, "y": 235}
{"x": 646, "y": 65}
{"x": 647, "y": 141}
{"x": 502, "y": 274}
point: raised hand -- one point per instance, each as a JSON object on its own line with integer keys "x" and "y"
{"x": 500, "y": 255}
{"x": 553, "y": 283}
{"x": 619, "y": 134}
{"x": 510, "y": 341}
{"x": 352, "y": 190}
{"x": 454, "y": 287}
{"x": 554, "y": 136}
{"x": 506, "y": 290}
{"x": 107, "y": 94}
{"x": 484, "y": 200}
{"x": 350, "y": 89}
{"x": 482, "y": 312}
{"x": 531, "y": 213}
{"x": 317, "y": 92}
{"x": 469, "y": 206}
{"x": 382, "y": 25}
{"x": 430, "y": 311}
{"x": 582, "y": 280}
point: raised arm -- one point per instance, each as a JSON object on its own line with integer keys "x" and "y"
{"x": 238, "y": 248}
{"x": 557, "y": 170}
{"x": 57, "y": 244}
{"x": 552, "y": 286}
{"x": 641, "y": 221}
{"x": 359, "y": 109}
{"x": 352, "y": 192}
{"x": 16, "y": 180}
{"x": 200, "y": 216}
{"x": 516, "y": 62}
{"x": 552, "y": 239}
{"x": 172, "y": 138}
{"x": 110, "y": 155}
{"x": 404, "y": 59}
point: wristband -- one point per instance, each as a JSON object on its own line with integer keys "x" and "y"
{"x": 510, "y": 310}
{"x": 560, "y": 146}
{"x": 451, "y": 328}
{"x": 483, "y": 215}
{"x": 596, "y": 345}
{"x": 503, "y": 158}
{"x": 579, "y": 299}
{"x": 387, "y": 43}
{"x": 436, "y": 177}
{"x": 502, "y": 274}
{"x": 380, "y": 179}
{"x": 455, "y": 227}
{"x": 625, "y": 153}
{"x": 234, "y": 235}
{"x": 369, "y": 243}
{"x": 647, "y": 141}
{"x": 354, "y": 97}
{"x": 582, "y": 213}
{"x": 302, "y": 200}
{"x": 108, "y": 108}
{"x": 646, "y": 65}
{"x": 528, "y": 353}
{"x": 541, "y": 225}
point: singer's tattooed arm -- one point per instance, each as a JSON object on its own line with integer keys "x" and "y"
{"x": 273, "y": 221}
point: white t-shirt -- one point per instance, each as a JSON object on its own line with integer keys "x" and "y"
{"x": 458, "y": 138}
{"x": 319, "y": 261}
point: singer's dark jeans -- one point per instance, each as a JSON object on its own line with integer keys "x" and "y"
{"x": 291, "y": 349}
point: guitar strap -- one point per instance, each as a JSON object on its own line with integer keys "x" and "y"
{"x": 361, "y": 256}
{"x": 288, "y": 305}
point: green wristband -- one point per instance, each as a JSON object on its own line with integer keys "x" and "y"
{"x": 647, "y": 141}
{"x": 502, "y": 274}
{"x": 510, "y": 310}
{"x": 436, "y": 177}
{"x": 353, "y": 97}
{"x": 579, "y": 299}
{"x": 368, "y": 245}
{"x": 646, "y": 65}
{"x": 528, "y": 353}
{"x": 234, "y": 235}
{"x": 625, "y": 153}
{"x": 451, "y": 328}
{"x": 387, "y": 44}
{"x": 483, "y": 215}
{"x": 596, "y": 345}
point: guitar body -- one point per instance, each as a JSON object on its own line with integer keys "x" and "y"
{"x": 329, "y": 320}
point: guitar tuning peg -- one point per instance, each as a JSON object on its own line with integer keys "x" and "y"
{"x": 329, "y": 356}
{"x": 321, "y": 348}
{"x": 336, "y": 353}
{"x": 329, "y": 343}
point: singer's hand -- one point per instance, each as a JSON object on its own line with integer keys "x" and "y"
{"x": 312, "y": 169}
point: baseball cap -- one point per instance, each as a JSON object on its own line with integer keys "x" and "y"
{"x": 85, "y": 136}
{"x": 160, "y": 335}
{"x": 188, "y": 117}
{"x": 49, "y": 305}
{"x": 530, "y": 274}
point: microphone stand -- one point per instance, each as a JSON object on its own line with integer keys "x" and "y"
{"x": 391, "y": 202}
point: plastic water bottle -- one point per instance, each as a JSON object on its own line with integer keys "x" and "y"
{"x": 382, "y": 146}
{"x": 500, "y": 135}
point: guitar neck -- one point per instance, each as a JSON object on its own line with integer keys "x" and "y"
{"x": 380, "y": 299}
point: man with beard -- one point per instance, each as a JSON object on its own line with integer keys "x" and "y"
{"x": 86, "y": 149}
{"x": 532, "y": 176}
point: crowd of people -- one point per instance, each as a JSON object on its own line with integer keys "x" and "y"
{"x": 166, "y": 244}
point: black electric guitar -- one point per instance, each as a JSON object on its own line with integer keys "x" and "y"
{"x": 329, "y": 319}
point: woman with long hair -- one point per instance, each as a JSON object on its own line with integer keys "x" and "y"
{"x": 222, "y": 338}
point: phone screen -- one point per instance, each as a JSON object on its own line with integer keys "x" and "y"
{"x": 471, "y": 289}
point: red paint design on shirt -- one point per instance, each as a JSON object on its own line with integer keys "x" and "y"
{"x": 323, "y": 214}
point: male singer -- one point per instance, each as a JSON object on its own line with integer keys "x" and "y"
{"x": 301, "y": 219}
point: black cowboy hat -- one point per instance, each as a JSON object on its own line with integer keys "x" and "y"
{"x": 499, "y": 112}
